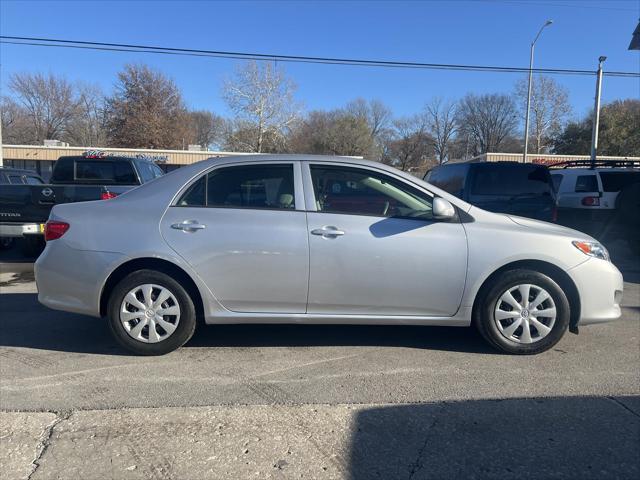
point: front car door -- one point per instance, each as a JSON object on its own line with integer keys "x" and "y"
{"x": 243, "y": 229}
{"x": 375, "y": 248}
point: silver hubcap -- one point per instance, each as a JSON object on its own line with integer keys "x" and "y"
{"x": 150, "y": 313}
{"x": 525, "y": 313}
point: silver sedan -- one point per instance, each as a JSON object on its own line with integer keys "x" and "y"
{"x": 305, "y": 239}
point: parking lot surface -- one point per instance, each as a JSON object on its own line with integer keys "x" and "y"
{"x": 312, "y": 401}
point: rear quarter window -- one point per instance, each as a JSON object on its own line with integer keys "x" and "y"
{"x": 616, "y": 181}
{"x": 587, "y": 183}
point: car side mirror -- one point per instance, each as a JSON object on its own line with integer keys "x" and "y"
{"x": 442, "y": 209}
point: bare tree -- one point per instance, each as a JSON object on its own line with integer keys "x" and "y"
{"x": 15, "y": 123}
{"x": 336, "y": 132}
{"x": 50, "y": 103}
{"x": 411, "y": 145}
{"x": 262, "y": 96}
{"x": 146, "y": 111}
{"x": 441, "y": 124}
{"x": 549, "y": 110}
{"x": 487, "y": 120}
{"x": 205, "y": 128}
{"x": 88, "y": 127}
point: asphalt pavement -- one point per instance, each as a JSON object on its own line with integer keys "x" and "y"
{"x": 284, "y": 401}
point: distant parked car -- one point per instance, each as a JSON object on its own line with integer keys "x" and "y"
{"x": 18, "y": 176}
{"x": 308, "y": 239}
{"x": 523, "y": 189}
{"x": 588, "y": 198}
{"x": 25, "y": 205}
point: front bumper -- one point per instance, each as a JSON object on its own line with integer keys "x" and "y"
{"x": 600, "y": 287}
{"x": 16, "y": 230}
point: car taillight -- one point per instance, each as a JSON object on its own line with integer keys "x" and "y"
{"x": 591, "y": 201}
{"x": 107, "y": 195}
{"x": 53, "y": 230}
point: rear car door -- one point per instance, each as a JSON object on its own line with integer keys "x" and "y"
{"x": 243, "y": 229}
{"x": 375, "y": 248}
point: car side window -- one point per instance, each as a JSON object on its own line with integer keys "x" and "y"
{"x": 250, "y": 186}
{"x": 357, "y": 191}
{"x": 195, "y": 194}
{"x": 31, "y": 180}
{"x": 15, "y": 179}
{"x": 586, "y": 183}
{"x": 556, "y": 179}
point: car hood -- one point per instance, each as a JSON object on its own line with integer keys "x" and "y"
{"x": 546, "y": 227}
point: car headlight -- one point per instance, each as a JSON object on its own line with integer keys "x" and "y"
{"x": 593, "y": 249}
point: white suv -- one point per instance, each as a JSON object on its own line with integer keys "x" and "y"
{"x": 590, "y": 195}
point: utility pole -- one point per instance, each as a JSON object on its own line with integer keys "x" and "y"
{"x": 596, "y": 114}
{"x": 526, "y": 118}
{"x": 1, "y": 149}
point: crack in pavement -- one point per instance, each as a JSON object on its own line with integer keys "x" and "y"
{"x": 45, "y": 441}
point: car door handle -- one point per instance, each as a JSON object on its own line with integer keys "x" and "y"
{"x": 189, "y": 226}
{"x": 328, "y": 231}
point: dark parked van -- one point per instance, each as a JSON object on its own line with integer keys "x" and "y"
{"x": 523, "y": 189}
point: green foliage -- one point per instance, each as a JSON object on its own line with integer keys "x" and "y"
{"x": 619, "y": 133}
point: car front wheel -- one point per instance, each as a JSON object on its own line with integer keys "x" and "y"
{"x": 522, "y": 312}
{"x": 149, "y": 313}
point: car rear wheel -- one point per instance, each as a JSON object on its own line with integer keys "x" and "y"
{"x": 149, "y": 313}
{"x": 522, "y": 312}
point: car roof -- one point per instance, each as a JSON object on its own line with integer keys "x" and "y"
{"x": 587, "y": 171}
{"x": 17, "y": 170}
{"x": 189, "y": 172}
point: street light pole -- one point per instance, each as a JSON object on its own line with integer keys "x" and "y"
{"x": 526, "y": 118}
{"x": 596, "y": 114}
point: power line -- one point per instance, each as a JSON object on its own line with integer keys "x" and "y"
{"x": 154, "y": 49}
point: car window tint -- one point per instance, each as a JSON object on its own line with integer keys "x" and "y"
{"x": 15, "y": 179}
{"x": 616, "y": 181}
{"x": 449, "y": 178}
{"x": 504, "y": 179}
{"x": 146, "y": 171}
{"x": 63, "y": 170}
{"x": 195, "y": 194}
{"x": 556, "y": 179}
{"x": 251, "y": 186}
{"x": 157, "y": 171}
{"x": 586, "y": 183}
{"x": 365, "y": 192}
{"x": 31, "y": 180}
{"x": 101, "y": 171}
{"x": 124, "y": 173}
{"x": 94, "y": 170}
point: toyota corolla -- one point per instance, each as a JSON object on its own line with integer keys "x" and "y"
{"x": 306, "y": 239}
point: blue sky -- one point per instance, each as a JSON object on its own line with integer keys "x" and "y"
{"x": 492, "y": 32}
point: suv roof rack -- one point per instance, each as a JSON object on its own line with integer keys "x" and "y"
{"x": 597, "y": 164}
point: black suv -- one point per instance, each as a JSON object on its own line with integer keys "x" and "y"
{"x": 523, "y": 189}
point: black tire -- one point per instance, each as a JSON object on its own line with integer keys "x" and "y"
{"x": 487, "y": 301}
{"x": 186, "y": 324}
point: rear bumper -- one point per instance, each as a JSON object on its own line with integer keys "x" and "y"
{"x": 8, "y": 229}
{"x": 72, "y": 280}
{"x": 600, "y": 287}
